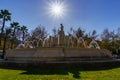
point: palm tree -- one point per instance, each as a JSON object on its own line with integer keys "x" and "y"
{"x": 24, "y": 31}
{"x": 15, "y": 26}
{"x": 6, "y": 36}
{"x": 5, "y": 16}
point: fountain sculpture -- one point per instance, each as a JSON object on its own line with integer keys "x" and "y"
{"x": 61, "y": 48}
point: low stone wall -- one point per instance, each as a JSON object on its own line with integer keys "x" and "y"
{"x": 56, "y": 54}
{"x": 62, "y": 65}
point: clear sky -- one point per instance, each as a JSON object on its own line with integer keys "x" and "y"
{"x": 87, "y": 14}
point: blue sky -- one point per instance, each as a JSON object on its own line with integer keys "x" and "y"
{"x": 87, "y": 14}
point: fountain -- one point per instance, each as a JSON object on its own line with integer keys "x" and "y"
{"x": 20, "y": 46}
{"x": 24, "y": 45}
{"x": 58, "y": 49}
{"x": 81, "y": 40}
{"x": 94, "y": 44}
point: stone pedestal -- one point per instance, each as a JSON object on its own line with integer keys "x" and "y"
{"x": 57, "y": 54}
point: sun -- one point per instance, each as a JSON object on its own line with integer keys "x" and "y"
{"x": 57, "y": 9}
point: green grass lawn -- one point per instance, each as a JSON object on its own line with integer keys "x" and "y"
{"x": 60, "y": 74}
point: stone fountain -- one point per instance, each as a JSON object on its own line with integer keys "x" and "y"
{"x": 58, "y": 49}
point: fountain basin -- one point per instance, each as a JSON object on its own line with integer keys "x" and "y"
{"x": 57, "y": 54}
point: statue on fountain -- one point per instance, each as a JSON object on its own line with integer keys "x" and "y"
{"x": 61, "y": 36}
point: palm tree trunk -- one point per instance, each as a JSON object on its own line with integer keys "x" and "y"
{"x": 4, "y": 47}
{"x": 23, "y": 35}
{"x": 12, "y": 42}
{"x": 2, "y": 30}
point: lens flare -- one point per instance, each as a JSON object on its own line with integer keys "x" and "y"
{"x": 57, "y": 9}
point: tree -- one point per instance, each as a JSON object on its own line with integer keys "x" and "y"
{"x": 114, "y": 42}
{"x": 55, "y": 32}
{"x": 14, "y": 26}
{"x": 79, "y": 32}
{"x": 39, "y": 33}
{"x": 24, "y": 31}
{"x": 6, "y": 36}
{"x": 113, "y": 36}
{"x": 93, "y": 35}
{"x": 5, "y": 15}
{"x": 118, "y": 33}
{"x": 105, "y": 35}
{"x": 18, "y": 34}
{"x": 71, "y": 32}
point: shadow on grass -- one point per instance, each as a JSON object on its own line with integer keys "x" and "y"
{"x": 63, "y": 71}
{"x": 60, "y": 69}
{"x": 74, "y": 72}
